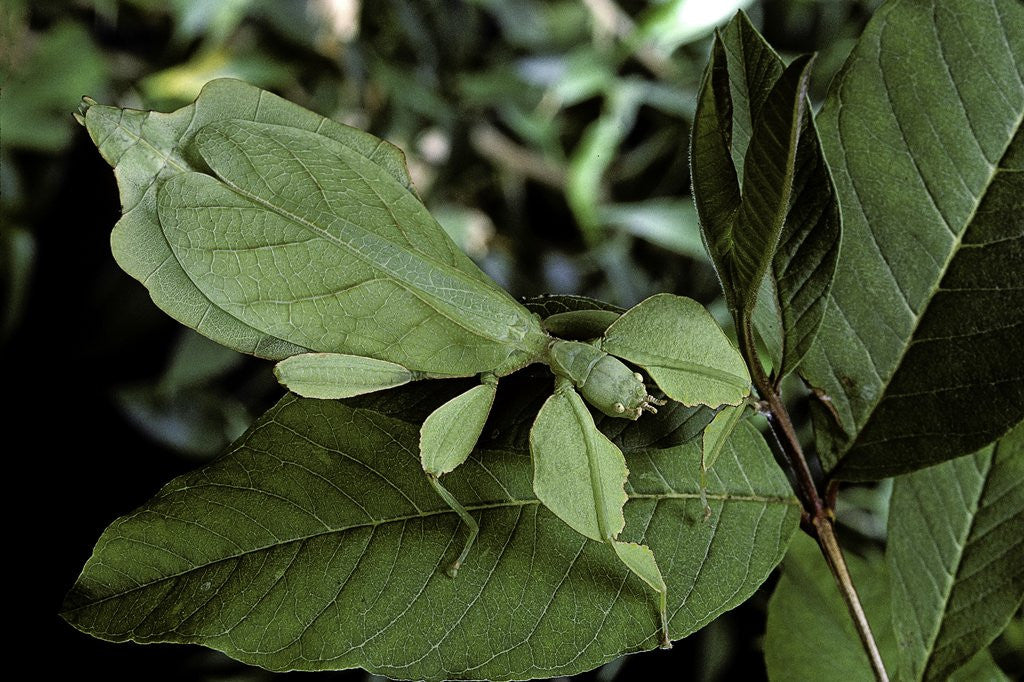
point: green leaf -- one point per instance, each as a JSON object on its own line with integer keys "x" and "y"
{"x": 335, "y": 375}
{"x": 450, "y": 433}
{"x": 716, "y": 190}
{"x": 920, "y": 349}
{"x": 145, "y": 148}
{"x": 809, "y": 634}
{"x": 981, "y": 668}
{"x": 682, "y": 347}
{"x": 595, "y": 153}
{"x": 787, "y": 304}
{"x": 669, "y": 223}
{"x": 956, "y": 556}
{"x": 744, "y": 250}
{"x": 316, "y": 542}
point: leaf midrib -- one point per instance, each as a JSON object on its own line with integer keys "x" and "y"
{"x": 962, "y": 544}
{"x": 658, "y": 497}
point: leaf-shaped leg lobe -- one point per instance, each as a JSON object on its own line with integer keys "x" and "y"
{"x": 577, "y": 472}
{"x": 713, "y": 441}
{"x": 683, "y": 349}
{"x": 336, "y": 375}
{"x": 640, "y": 559}
{"x": 580, "y": 476}
{"x": 447, "y": 438}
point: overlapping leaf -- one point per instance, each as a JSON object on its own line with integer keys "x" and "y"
{"x": 809, "y": 635}
{"x": 317, "y": 543}
{"x": 775, "y": 244}
{"x": 956, "y": 557}
{"x": 921, "y": 351}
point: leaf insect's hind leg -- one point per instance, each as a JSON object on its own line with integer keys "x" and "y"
{"x": 640, "y": 559}
{"x": 447, "y": 438}
{"x": 471, "y": 524}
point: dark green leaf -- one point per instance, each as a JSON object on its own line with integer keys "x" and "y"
{"x": 791, "y": 217}
{"x": 921, "y": 348}
{"x": 312, "y": 546}
{"x": 956, "y": 556}
{"x": 809, "y": 634}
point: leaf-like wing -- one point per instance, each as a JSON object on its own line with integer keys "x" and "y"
{"x": 145, "y": 147}
{"x": 956, "y": 556}
{"x": 317, "y": 543}
{"x": 304, "y": 238}
{"x": 921, "y": 351}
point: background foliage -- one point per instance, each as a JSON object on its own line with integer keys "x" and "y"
{"x": 550, "y": 139}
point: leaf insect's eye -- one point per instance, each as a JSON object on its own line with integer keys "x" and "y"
{"x": 639, "y": 377}
{"x": 619, "y": 407}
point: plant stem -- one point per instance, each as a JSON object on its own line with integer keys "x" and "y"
{"x": 818, "y": 510}
{"x": 826, "y": 537}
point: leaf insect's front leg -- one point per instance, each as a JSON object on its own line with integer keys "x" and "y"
{"x": 447, "y": 437}
{"x": 713, "y": 440}
{"x": 580, "y": 476}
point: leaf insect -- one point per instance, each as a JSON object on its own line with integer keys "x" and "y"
{"x": 309, "y": 233}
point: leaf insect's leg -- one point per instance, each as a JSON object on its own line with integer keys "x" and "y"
{"x": 471, "y": 524}
{"x": 640, "y": 559}
{"x": 447, "y": 438}
{"x": 713, "y": 440}
{"x": 580, "y": 475}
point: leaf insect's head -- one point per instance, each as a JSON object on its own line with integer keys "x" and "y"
{"x": 604, "y": 381}
{"x": 618, "y": 391}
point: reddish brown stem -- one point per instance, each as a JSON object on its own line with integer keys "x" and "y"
{"x": 818, "y": 513}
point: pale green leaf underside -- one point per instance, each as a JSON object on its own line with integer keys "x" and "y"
{"x": 577, "y": 472}
{"x": 317, "y": 543}
{"x": 147, "y": 147}
{"x": 683, "y": 349}
{"x": 303, "y": 238}
{"x": 956, "y": 556}
{"x": 922, "y": 343}
{"x": 809, "y": 634}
